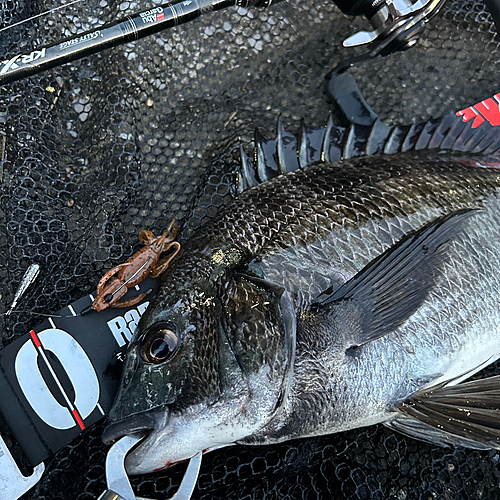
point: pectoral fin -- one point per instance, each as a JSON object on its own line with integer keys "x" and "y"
{"x": 393, "y": 286}
{"x": 466, "y": 414}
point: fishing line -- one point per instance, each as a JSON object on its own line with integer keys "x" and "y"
{"x": 131, "y": 277}
{"x": 40, "y": 314}
{"x": 40, "y": 15}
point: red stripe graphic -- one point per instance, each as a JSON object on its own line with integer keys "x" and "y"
{"x": 485, "y": 110}
{"x": 35, "y": 338}
{"x": 78, "y": 419}
{"x": 74, "y": 412}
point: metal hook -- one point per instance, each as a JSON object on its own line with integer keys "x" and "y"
{"x": 118, "y": 483}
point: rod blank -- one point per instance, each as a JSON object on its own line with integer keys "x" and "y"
{"x": 131, "y": 28}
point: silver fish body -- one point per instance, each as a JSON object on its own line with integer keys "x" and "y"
{"x": 330, "y": 298}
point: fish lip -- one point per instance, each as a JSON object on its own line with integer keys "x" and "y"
{"x": 129, "y": 425}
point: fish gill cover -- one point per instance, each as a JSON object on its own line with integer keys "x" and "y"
{"x": 93, "y": 151}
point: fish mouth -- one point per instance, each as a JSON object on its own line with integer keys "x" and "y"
{"x": 130, "y": 425}
{"x": 151, "y": 425}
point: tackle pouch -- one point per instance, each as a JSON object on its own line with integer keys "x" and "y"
{"x": 59, "y": 379}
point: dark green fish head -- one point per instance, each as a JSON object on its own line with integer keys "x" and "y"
{"x": 209, "y": 363}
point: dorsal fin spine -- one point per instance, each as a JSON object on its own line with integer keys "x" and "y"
{"x": 302, "y": 145}
{"x": 247, "y": 179}
{"x": 259, "y": 155}
{"x": 334, "y": 142}
{"x": 280, "y": 147}
{"x": 325, "y": 146}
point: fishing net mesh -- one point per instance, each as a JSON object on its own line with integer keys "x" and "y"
{"x": 95, "y": 150}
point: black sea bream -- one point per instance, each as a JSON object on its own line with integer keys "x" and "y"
{"x": 334, "y": 297}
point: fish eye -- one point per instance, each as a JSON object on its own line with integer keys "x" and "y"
{"x": 159, "y": 344}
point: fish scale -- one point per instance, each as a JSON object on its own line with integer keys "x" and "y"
{"x": 312, "y": 192}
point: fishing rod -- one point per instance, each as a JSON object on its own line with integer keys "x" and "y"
{"x": 126, "y": 30}
{"x": 397, "y": 25}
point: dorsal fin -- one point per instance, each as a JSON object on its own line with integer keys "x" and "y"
{"x": 334, "y": 142}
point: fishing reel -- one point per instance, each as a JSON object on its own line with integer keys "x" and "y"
{"x": 397, "y": 24}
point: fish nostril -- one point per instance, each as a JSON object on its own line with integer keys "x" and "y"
{"x": 129, "y": 425}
